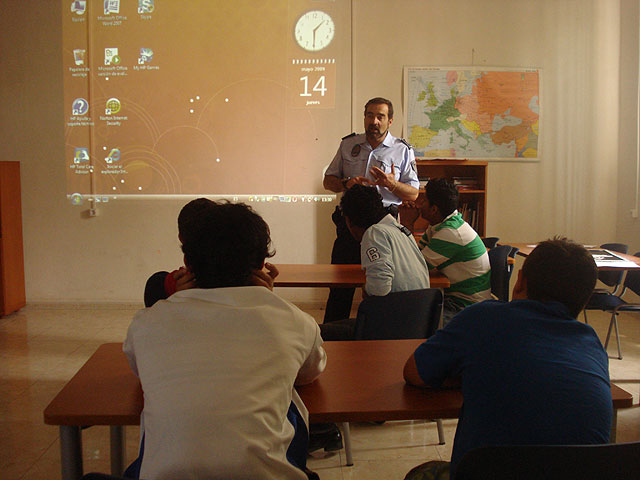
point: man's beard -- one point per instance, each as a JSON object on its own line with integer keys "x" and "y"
{"x": 375, "y": 133}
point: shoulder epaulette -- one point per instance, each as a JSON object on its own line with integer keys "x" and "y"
{"x": 350, "y": 135}
{"x": 404, "y": 230}
{"x": 405, "y": 142}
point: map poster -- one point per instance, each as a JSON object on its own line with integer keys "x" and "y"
{"x": 475, "y": 113}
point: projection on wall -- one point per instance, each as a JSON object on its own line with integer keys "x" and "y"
{"x": 217, "y": 98}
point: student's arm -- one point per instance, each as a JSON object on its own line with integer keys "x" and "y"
{"x": 410, "y": 372}
{"x": 315, "y": 363}
{"x": 438, "y": 361}
{"x": 376, "y": 259}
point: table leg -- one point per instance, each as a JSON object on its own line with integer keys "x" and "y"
{"x": 117, "y": 448}
{"x": 346, "y": 434}
{"x": 614, "y": 426}
{"x": 71, "y": 452}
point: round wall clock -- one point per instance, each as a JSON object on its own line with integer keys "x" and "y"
{"x": 314, "y": 30}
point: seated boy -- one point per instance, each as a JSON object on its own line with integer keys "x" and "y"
{"x": 218, "y": 363}
{"x": 531, "y": 373}
{"x": 389, "y": 255}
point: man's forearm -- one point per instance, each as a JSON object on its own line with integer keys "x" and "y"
{"x": 404, "y": 191}
{"x": 333, "y": 183}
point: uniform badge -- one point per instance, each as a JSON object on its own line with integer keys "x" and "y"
{"x": 355, "y": 151}
{"x": 373, "y": 254}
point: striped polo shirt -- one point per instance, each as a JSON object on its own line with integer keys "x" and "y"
{"x": 455, "y": 249}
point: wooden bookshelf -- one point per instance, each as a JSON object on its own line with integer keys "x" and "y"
{"x": 472, "y": 177}
{"x": 12, "y": 294}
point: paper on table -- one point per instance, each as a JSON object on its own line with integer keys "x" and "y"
{"x": 605, "y": 258}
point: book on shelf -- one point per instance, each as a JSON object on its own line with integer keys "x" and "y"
{"x": 466, "y": 183}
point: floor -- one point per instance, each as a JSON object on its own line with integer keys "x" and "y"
{"x": 41, "y": 348}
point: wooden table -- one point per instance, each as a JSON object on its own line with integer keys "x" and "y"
{"x": 362, "y": 381}
{"x": 525, "y": 250}
{"x": 328, "y": 275}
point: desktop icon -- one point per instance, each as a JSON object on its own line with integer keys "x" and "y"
{"x": 81, "y": 155}
{"x": 113, "y": 106}
{"x": 114, "y": 156}
{"x": 111, "y": 6}
{"x": 79, "y": 7}
{"x": 80, "y": 107}
{"x": 146, "y": 55}
{"x": 146, "y": 6}
{"x": 111, "y": 56}
{"x": 75, "y": 198}
{"x": 78, "y": 56}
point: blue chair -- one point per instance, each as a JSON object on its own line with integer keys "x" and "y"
{"x": 600, "y": 298}
{"x": 500, "y": 271}
{"x": 613, "y": 461}
{"x": 490, "y": 242}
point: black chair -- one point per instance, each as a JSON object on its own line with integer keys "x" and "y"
{"x": 614, "y": 304}
{"x": 399, "y": 315}
{"x": 600, "y": 298}
{"x": 500, "y": 272}
{"x": 490, "y": 242}
{"x": 617, "y": 461}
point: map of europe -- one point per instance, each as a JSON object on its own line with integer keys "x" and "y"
{"x": 471, "y": 113}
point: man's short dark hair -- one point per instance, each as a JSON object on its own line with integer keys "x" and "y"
{"x": 560, "y": 270}
{"x": 224, "y": 243}
{"x": 379, "y": 101}
{"x": 362, "y": 205}
{"x": 189, "y": 212}
{"x": 443, "y": 194}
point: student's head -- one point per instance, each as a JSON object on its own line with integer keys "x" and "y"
{"x": 361, "y": 207}
{"x": 441, "y": 199}
{"x": 224, "y": 242}
{"x": 189, "y": 213}
{"x": 558, "y": 270}
{"x": 378, "y": 116}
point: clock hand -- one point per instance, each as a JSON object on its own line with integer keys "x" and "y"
{"x": 314, "y": 33}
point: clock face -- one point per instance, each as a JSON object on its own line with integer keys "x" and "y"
{"x": 314, "y": 30}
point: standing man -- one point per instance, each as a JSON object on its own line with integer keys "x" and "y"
{"x": 372, "y": 158}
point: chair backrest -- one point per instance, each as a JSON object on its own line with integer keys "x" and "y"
{"x": 490, "y": 242}
{"x": 500, "y": 273}
{"x": 613, "y": 279}
{"x": 399, "y": 315}
{"x": 619, "y": 461}
{"x": 632, "y": 280}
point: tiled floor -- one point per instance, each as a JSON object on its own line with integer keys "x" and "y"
{"x": 41, "y": 347}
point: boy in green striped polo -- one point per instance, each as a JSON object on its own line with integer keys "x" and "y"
{"x": 450, "y": 245}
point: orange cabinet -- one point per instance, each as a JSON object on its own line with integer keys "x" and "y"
{"x": 12, "y": 294}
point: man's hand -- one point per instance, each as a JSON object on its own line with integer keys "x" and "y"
{"x": 260, "y": 278}
{"x": 184, "y": 279}
{"x": 357, "y": 181}
{"x": 387, "y": 180}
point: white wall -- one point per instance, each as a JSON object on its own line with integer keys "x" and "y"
{"x": 572, "y": 190}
